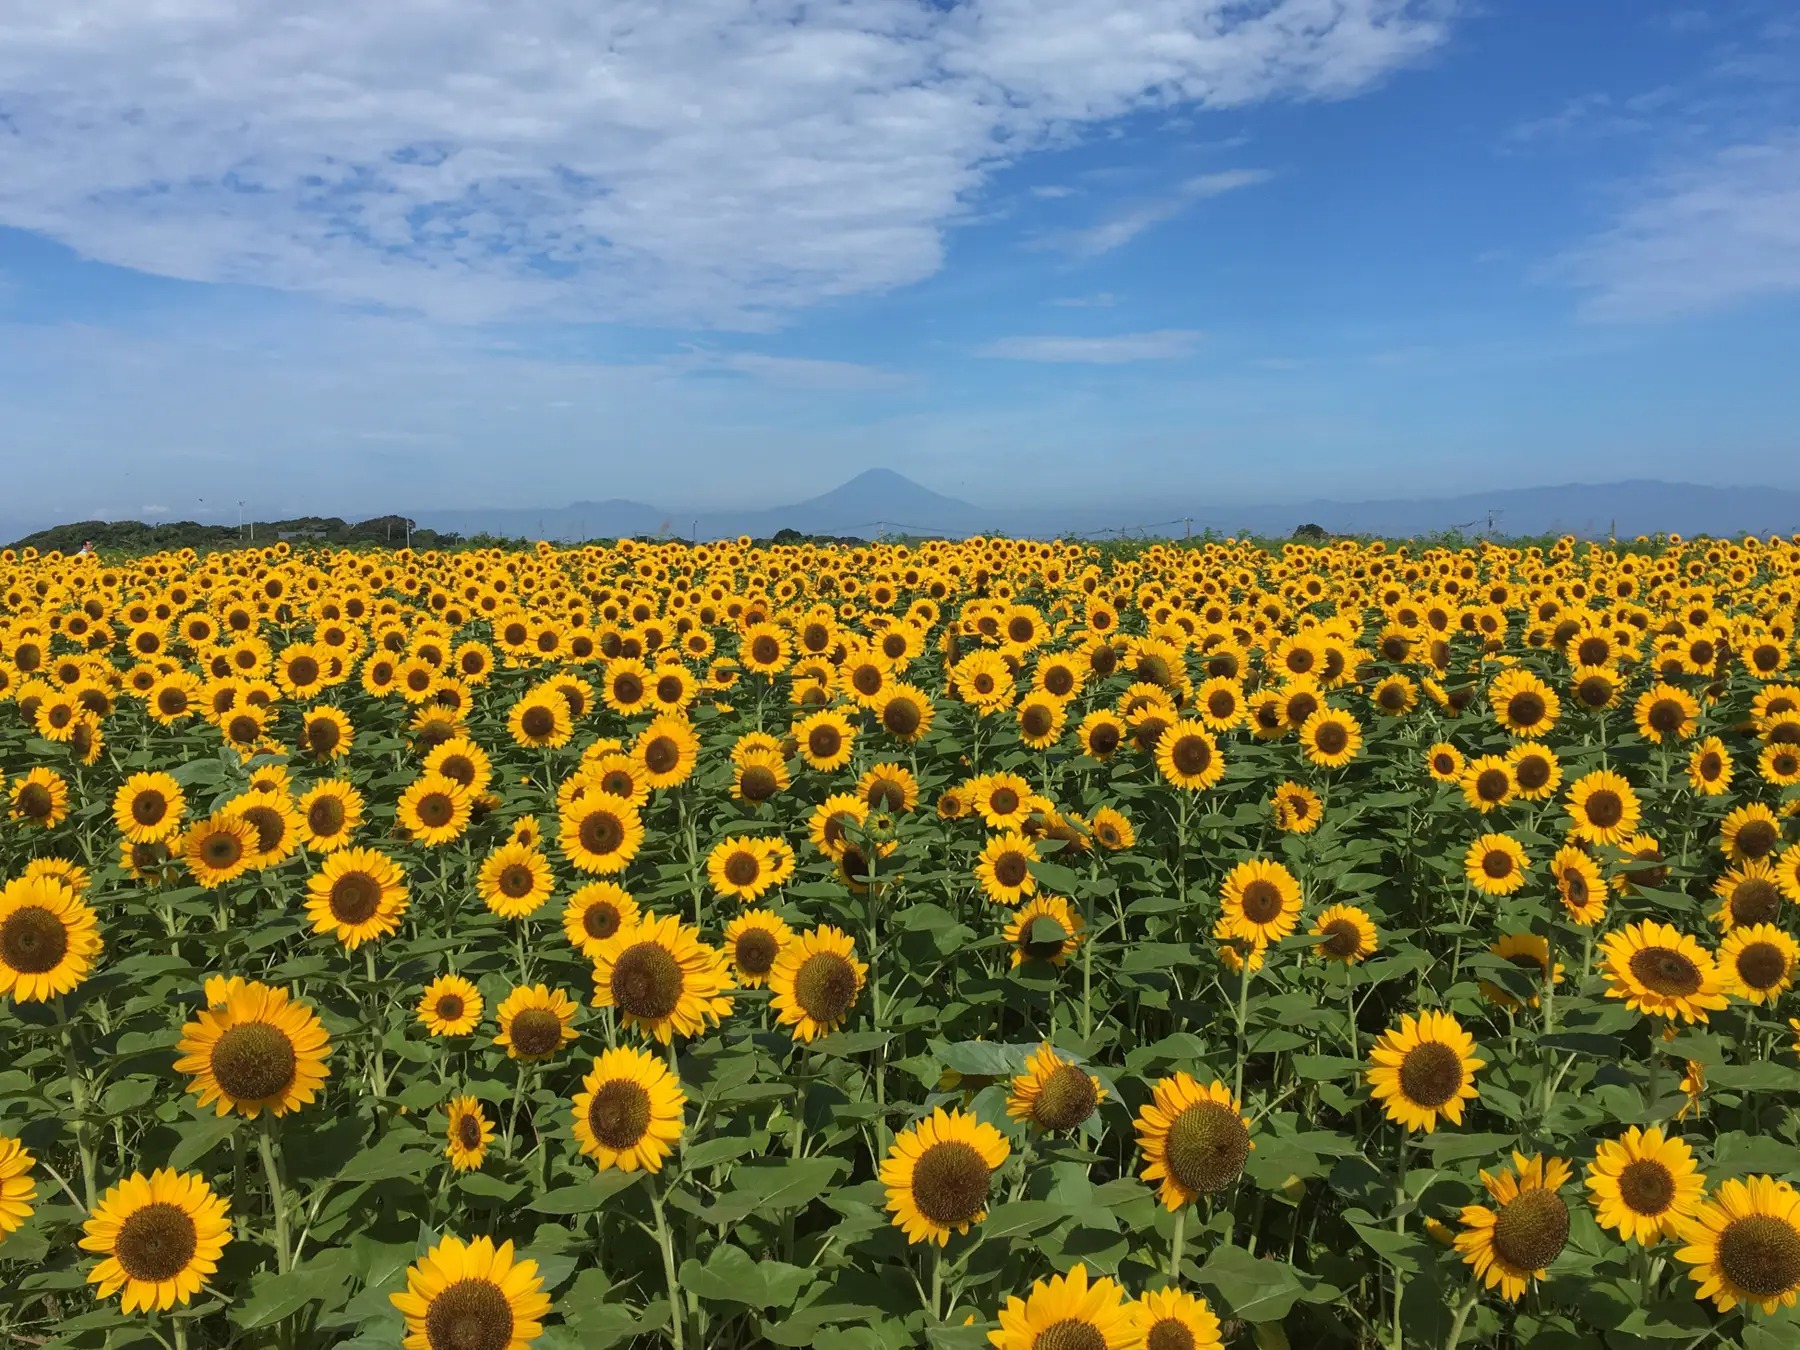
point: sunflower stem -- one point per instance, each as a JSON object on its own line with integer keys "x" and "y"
{"x": 1243, "y": 1015}
{"x": 78, "y": 1097}
{"x": 1463, "y": 1309}
{"x": 379, "y": 1064}
{"x": 937, "y": 1282}
{"x": 265, "y": 1144}
{"x": 1177, "y": 1242}
{"x": 666, "y": 1240}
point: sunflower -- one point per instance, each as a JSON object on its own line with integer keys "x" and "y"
{"x": 40, "y": 798}
{"x": 1041, "y": 720}
{"x": 17, "y": 1188}
{"x": 271, "y": 816}
{"x": 1261, "y": 901}
{"x": 1424, "y": 1069}
{"x": 1004, "y": 868}
{"x": 148, "y": 808}
{"x": 1663, "y": 712}
{"x": 1758, "y": 961}
{"x": 1193, "y": 1137}
{"x": 461, "y": 760}
{"x": 1444, "y": 762}
{"x": 1744, "y": 1244}
{"x": 668, "y": 749}
{"x": 1394, "y": 696}
{"x": 535, "y": 1022}
{"x": 450, "y": 1006}
{"x": 662, "y": 979}
{"x": 1054, "y": 1094}
{"x": 329, "y": 813}
{"x": 889, "y": 787}
{"x": 1709, "y": 768}
{"x": 515, "y": 881}
{"x": 600, "y": 833}
{"x": 1529, "y": 952}
{"x": 1188, "y": 757}
{"x": 595, "y": 912}
{"x": 435, "y": 810}
{"x": 739, "y": 867}
{"x": 628, "y": 1114}
{"x": 1330, "y": 738}
{"x": 1169, "y": 1319}
{"x": 1487, "y": 782}
{"x": 258, "y": 1050}
{"x": 833, "y": 819}
{"x": 1003, "y": 800}
{"x": 1579, "y": 885}
{"x": 1297, "y": 808}
{"x": 758, "y": 776}
{"x": 938, "y": 1172}
{"x": 357, "y": 894}
{"x": 754, "y": 939}
{"x": 471, "y": 1296}
{"x": 815, "y": 982}
{"x": 325, "y": 734}
{"x": 160, "y": 1237}
{"x": 1101, "y": 733}
{"x": 1510, "y": 1246}
{"x": 1346, "y": 934}
{"x": 1068, "y": 1311}
{"x": 468, "y": 1132}
{"x": 1536, "y": 771}
{"x": 1644, "y": 1185}
{"x": 983, "y": 680}
{"x": 1112, "y": 830}
{"x": 1661, "y": 972}
{"x": 1044, "y": 928}
{"x": 1750, "y": 833}
{"x": 825, "y": 739}
{"x": 1603, "y": 807}
{"x": 1495, "y": 864}
{"x": 48, "y": 938}
{"x": 905, "y": 713}
{"x": 1779, "y": 765}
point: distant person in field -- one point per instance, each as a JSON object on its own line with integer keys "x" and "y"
{"x": 87, "y": 547}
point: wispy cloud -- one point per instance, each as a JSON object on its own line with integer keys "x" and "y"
{"x": 1122, "y": 228}
{"x": 1164, "y": 344}
{"x": 1052, "y": 191}
{"x": 1700, "y": 237}
{"x": 1101, "y": 300}
{"x": 794, "y": 372}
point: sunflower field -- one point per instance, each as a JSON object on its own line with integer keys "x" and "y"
{"x": 981, "y": 943}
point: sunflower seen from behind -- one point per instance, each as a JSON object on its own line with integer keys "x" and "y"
{"x": 159, "y": 1238}
{"x": 629, "y": 1112}
{"x": 471, "y": 1296}
{"x": 938, "y": 1174}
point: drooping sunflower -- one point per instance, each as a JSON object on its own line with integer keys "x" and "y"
{"x": 467, "y": 1132}
{"x": 356, "y": 895}
{"x": 1004, "y": 868}
{"x": 1750, "y": 833}
{"x": 815, "y": 982}
{"x": 1346, "y": 934}
{"x": 1330, "y": 738}
{"x": 1511, "y": 1245}
{"x": 471, "y": 1296}
{"x": 48, "y": 938}
{"x": 160, "y": 1237}
{"x": 1759, "y": 962}
{"x": 39, "y": 798}
{"x": 600, "y": 833}
{"x": 739, "y": 867}
{"x": 450, "y": 1006}
{"x": 595, "y": 912}
{"x": 259, "y": 1050}
{"x": 1261, "y": 901}
{"x": 1297, "y": 808}
{"x": 1662, "y": 972}
{"x": 1053, "y": 1094}
{"x": 515, "y": 881}
{"x": 628, "y": 1113}
{"x": 1644, "y": 1184}
{"x": 1194, "y": 1138}
{"x": 1113, "y": 830}
{"x": 330, "y": 813}
{"x": 1603, "y": 808}
{"x": 1171, "y": 1319}
{"x": 148, "y": 808}
{"x": 1496, "y": 864}
{"x": 1070, "y": 1311}
{"x": 17, "y": 1186}
{"x": 825, "y": 740}
{"x": 938, "y": 1172}
{"x": 535, "y": 1022}
{"x": 1743, "y": 1244}
{"x": 662, "y": 979}
{"x": 1423, "y": 1069}
{"x": 1044, "y": 928}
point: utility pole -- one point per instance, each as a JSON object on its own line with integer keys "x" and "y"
{"x": 1190, "y": 527}
{"x": 240, "y": 522}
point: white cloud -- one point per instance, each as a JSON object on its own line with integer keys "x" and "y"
{"x": 792, "y": 372}
{"x": 1129, "y": 224}
{"x": 1162, "y": 345}
{"x": 1102, "y": 300}
{"x": 1052, "y": 191}
{"x": 1702, "y": 237}
{"x": 715, "y": 161}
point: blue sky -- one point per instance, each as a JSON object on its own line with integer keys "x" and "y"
{"x": 1030, "y": 250}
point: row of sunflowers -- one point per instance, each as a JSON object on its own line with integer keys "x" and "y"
{"x": 981, "y": 943}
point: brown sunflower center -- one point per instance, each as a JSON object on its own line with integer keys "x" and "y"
{"x": 1206, "y": 1147}
{"x": 450, "y": 1007}
{"x": 355, "y": 897}
{"x": 765, "y": 650}
{"x": 758, "y": 783}
{"x": 1755, "y": 900}
{"x": 1444, "y": 763}
{"x": 1342, "y": 939}
{"x": 1497, "y": 863}
{"x": 537, "y": 722}
{"x": 885, "y": 794}
{"x": 950, "y": 1183}
{"x": 149, "y": 807}
{"x": 1011, "y": 869}
{"x": 325, "y": 817}
{"x": 1755, "y": 839}
{"x": 33, "y": 940}
{"x": 472, "y": 1314}
{"x": 1103, "y": 740}
{"x": 1060, "y": 681}
{"x": 1526, "y": 709}
{"x": 1532, "y": 771}
{"x": 647, "y": 981}
{"x": 901, "y": 716}
{"x": 516, "y": 881}
{"x": 34, "y": 801}
{"x": 1646, "y": 1187}
{"x": 742, "y": 868}
{"x": 1761, "y": 965}
{"x": 866, "y": 679}
{"x": 619, "y": 1114}
{"x": 824, "y": 741}
{"x": 1037, "y": 720}
{"x": 755, "y": 951}
{"x": 662, "y": 755}
{"x": 1169, "y": 1334}
{"x": 322, "y": 735}
{"x": 600, "y": 920}
{"x": 1065, "y": 1099}
{"x": 1071, "y": 1333}
{"x": 1711, "y": 765}
{"x": 1605, "y": 809}
{"x": 1332, "y": 738}
{"x": 601, "y": 832}
{"x": 156, "y": 1242}
{"x": 468, "y": 1131}
{"x": 536, "y": 1031}
{"x": 1262, "y": 902}
{"x": 253, "y": 1061}
{"x": 825, "y": 987}
{"x": 1532, "y": 1229}
{"x": 1492, "y": 785}
{"x": 1003, "y": 801}
{"x": 1665, "y": 971}
{"x": 1431, "y": 1074}
{"x": 243, "y": 729}
{"x": 1191, "y": 756}
{"x": 1760, "y": 1254}
{"x": 670, "y": 689}
{"x": 436, "y": 810}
